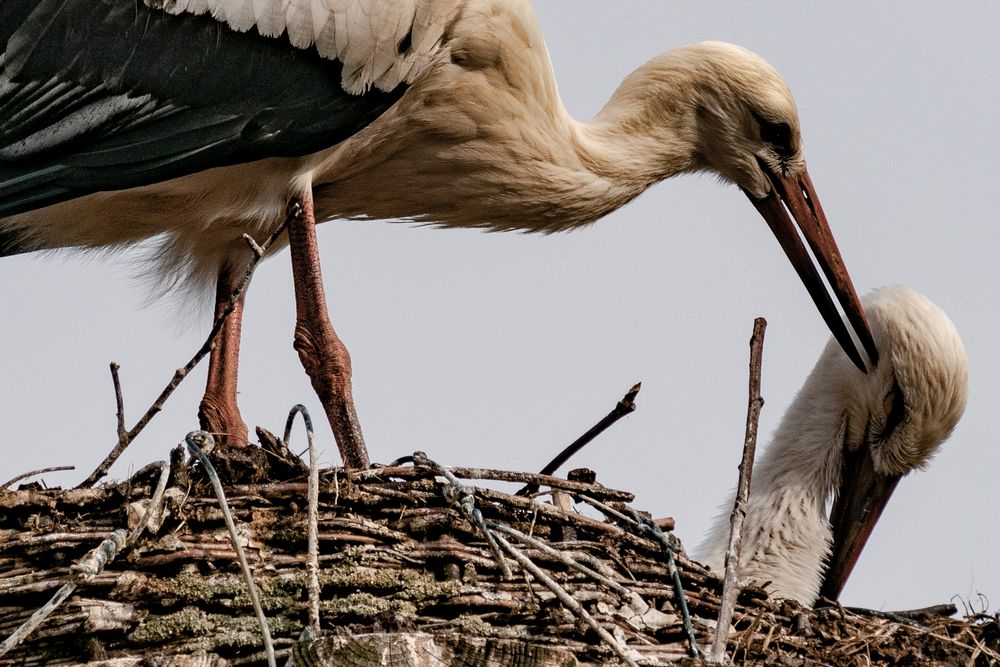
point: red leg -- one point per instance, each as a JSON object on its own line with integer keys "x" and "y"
{"x": 218, "y": 413}
{"x": 322, "y": 353}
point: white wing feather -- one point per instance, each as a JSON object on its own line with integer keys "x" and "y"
{"x": 241, "y": 16}
{"x": 364, "y": 35}
{"x": 270, "y": 16}
{"x": 198, "y": 6}
{"x": 299, "y": 23}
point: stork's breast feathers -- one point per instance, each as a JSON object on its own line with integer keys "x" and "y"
{"x": 381, "y": 44}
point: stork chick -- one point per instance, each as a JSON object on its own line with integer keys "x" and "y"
{"x": 850, "y": 434}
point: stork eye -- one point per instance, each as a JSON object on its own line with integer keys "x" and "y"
{"x": 895, "y": 409}
{"x": 779, "y": 135}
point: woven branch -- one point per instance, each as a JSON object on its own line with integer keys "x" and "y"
{"x": 399, "y": 567}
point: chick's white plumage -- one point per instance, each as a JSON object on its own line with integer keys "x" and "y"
{"x": 900, "y": 412}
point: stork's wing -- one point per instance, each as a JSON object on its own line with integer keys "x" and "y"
{"x": 109, "y": 94}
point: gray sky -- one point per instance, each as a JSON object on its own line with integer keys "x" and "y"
{"x": 499, "y": 349}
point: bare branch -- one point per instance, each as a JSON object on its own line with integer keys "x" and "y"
{"x": 257, "y": 250}
{"x": 40, "y": 471}
{"x": 119, "y": 402}
{"x": 622, "y": 408}
{"x": 729, "y": 587}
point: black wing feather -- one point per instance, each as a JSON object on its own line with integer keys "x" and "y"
{"x": 102, "y": 95}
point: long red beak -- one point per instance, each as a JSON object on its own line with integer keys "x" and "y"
{"x": 862, "y": 496}
{"x": 798, "y": 196}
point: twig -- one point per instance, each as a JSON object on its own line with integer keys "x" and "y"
{"x": 934, "y": 611}
{"x": 257, "y": 250}
{"x": 622, "y": 408}
{"x": 312, "y": 563}
{"x": 396, "y": 469}
{"x": 180, "y": 373}
{"x": 534, "y": 543}
{"x": 463, "y": 499}
{"x": 193, "y": 447}
{"x": 727, "y": 603}
{"x": 647, "y": 527}
{"x": 153, "y": 516}
{"x": 40, "y": 471}
{"x": 566, "y": 599}
{"x": 983, "y": 649}
{"x": 91, "y": 564}
{"x": 638, "y": 606}
{"x": 119, "y": 401}
{"x": 910, "y": 617}
{"x": 922, "y": 614}
{"x": 38, "y": 617}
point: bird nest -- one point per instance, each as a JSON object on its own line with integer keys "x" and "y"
{"x": 416, "y": 565}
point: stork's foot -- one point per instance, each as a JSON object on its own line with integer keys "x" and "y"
{"x": 321, "y": 351}
{"x": 222, "y": 419}
{"x": 328, "y": 364}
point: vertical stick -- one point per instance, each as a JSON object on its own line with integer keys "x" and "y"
{"x": 312, "y": 560}
{"x": 119, "y": 401}
{"x": 729, "y": 586}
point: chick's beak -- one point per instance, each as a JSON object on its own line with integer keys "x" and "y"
{"x": 862, "y": 496}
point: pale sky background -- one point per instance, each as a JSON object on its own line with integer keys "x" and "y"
{"x": 497, "y": 350}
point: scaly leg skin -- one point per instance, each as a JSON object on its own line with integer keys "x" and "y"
{"x": 218, "y": 413}
{"x": 321, "y": 351}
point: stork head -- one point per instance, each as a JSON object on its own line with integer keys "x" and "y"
{"x": 747, "y": 121}
{"x": 895, "y": 417}
{"x": 729, "y": 112}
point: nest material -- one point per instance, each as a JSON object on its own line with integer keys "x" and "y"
{"x": 405, "y": 579}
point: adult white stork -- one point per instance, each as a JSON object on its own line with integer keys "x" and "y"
{"x": 850, "y": 434}
{"x": 196, "y": 121}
